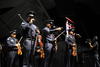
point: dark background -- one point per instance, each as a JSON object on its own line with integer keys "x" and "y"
{"x": 85, "y": 14}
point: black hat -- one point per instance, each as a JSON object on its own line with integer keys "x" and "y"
{"x": 31, "y": 14}
{"x": 13, "y": 32}
{"x": 50, "y": 21}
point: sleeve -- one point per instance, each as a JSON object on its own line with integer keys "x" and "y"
{"x": 9, "y": 42}
{"x": 24, "y": 25}
{"x": 45, "y": 32}
{"x": 52, "y": 30}
{"x": 34, "y": 27}
{"x": 66, "y": 39}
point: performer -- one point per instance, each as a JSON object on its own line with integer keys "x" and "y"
{"x": 29, "y": 33}
{"x": 71, "y": 41}
{"x": 94, "y": 47}
{"x": 71, "y": 47}
{"x": 49, "y": 41}
{"x": 12, "y": 44}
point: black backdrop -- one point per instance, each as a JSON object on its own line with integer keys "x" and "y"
{"x": 85, "y": 13}
{"x": 9, "y": 19}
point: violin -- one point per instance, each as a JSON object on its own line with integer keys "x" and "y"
{"x": 74, "y": 50}
{"x": 19, "y": 52}
{"x": 40, "y": 44}
{"x": 41, "y": 53}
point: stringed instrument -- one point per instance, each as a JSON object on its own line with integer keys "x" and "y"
{"x": 74, "y": 50}
{"x": 40, "y": 44}
{"x": 19, "y": 52}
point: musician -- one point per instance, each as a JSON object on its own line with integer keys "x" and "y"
{"x": 71, "y": 47}
{"x": 12, "y": 52}
{"x": 94, "y": 47}
{"x": 49, "y": 40}
{"x": 29, "y": 33}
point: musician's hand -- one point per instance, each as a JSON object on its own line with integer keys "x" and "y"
{"x": 90, "y": 45}
{"x": 19, "y": 14}
{"x": 17, "y": 44}
{"x": 38, "y": 50}
{"x": 78, "y": 35}
{"x": 59, "y": 28}
{"x": 73, "y": 44}
{"x": 55, "y": 39}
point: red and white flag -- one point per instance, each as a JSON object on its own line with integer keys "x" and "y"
{"x": 69, "y": 25}
{"x": 69, "y": 20}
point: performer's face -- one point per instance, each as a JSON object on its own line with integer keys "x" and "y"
{"x": 30, "y": 20}
{"x": 49, "y": 25}
{"x": 13, "y": 35}
{"x": 71, "y": 32}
